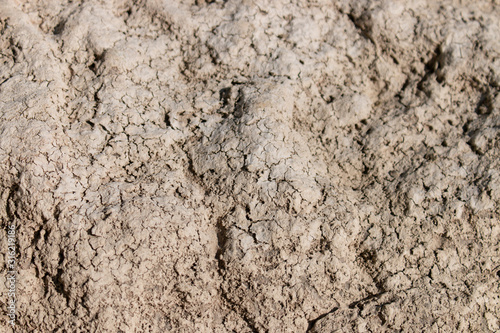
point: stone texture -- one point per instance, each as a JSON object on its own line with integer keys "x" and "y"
{"x": 251, "y": 166}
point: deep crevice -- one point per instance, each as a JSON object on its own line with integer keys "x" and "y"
{"x": 431, "y": 68}
{"x": 166, "y": 119}
{"x": 363, "y": 31}
{"x": 314, "y": 321}
{"x": 360, "y": 304}
{"x": 221, "y": 244}
{"x": 59, "y": 28}
{"x": 225, "y": 96}
{"x": 239, "y": 105}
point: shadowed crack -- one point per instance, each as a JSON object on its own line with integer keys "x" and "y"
{"x": 359, "y": 304}
{"x": 221, "y": 243}
{"x": 314, "y": 321}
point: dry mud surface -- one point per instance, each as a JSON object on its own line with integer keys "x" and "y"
{"x": 251, "y": 166}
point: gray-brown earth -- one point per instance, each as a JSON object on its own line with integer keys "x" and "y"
{"x": 251, "y": 166}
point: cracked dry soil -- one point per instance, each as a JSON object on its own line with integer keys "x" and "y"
{"x": 251, "y": 165}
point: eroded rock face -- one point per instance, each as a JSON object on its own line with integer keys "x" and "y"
{"x": 220, "y": 166}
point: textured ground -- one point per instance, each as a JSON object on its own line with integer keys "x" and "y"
{"x": 251, "y": 166}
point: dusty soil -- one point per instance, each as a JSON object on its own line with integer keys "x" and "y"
{"x": 251, "y": 166}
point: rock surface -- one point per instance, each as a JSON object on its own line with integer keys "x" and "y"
{"x": 251, "y": 166}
